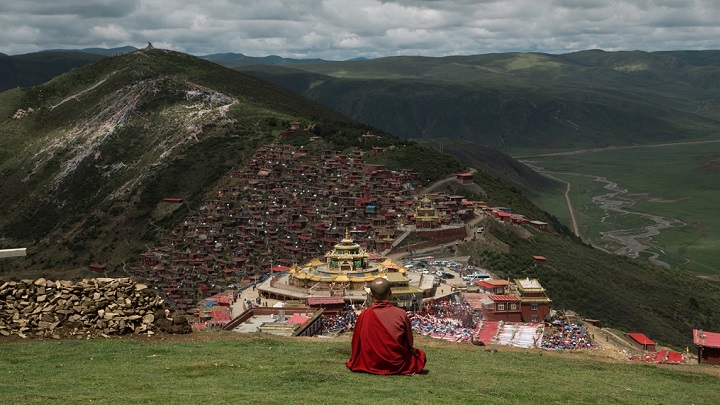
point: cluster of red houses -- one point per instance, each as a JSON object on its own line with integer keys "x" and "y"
{"x": 285, "y": 205}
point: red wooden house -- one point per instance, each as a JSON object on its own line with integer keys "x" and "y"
{"x": 502, "y": 308}
{"x": 642, "y": 342}
{"x": 465, "y": 178}
{"x": 493, "y": 287}
{"x": 539, "y": 260}
{"x": 708, "y": 344}
{"x": 535, "y": 304}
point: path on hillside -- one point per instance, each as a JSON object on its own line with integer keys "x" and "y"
{"x": 595, "y": 150}
{"x": 469, "y": 226}
{"x": 571, "y": 210}
{"x": 439, "y": 183}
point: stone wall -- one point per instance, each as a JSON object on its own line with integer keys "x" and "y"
{"x": 439, "y": 237}
{"x": 88, "y": 308}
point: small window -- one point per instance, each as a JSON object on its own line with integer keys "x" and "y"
{"x": 534, "y": 319}
{"x": 513, "y": 307}
{"x": 501, "y": 307}
{"x": 534, "y": 307}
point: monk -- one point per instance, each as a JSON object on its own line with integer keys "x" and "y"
{"x": 382, "y": 342}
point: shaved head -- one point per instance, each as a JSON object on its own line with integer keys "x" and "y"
{"x": 380, "y": 289}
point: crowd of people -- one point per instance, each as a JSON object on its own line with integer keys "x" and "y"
{"x": 445, "y": 319}
{"x": 343, "y": 321}
{"x": 562, "y": 335}
{"x": 455, "y": 320}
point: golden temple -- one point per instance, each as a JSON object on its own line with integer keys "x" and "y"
{"x": 347, "y": 266}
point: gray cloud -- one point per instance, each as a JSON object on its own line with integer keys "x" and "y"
{"x": 341, "y": 29}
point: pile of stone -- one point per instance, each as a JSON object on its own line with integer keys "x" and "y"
{"x": 88, "y": 308}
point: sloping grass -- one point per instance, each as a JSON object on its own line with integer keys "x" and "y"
{"x": 256, "y": 369}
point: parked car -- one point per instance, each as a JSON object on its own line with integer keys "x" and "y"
{"x": 477, "y": 277}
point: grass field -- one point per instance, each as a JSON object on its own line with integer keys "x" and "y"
{"x": 670, "y": 181}
{"x": 231, "y": 368}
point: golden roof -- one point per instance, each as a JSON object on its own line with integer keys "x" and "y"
{"x": 405, "y": 290}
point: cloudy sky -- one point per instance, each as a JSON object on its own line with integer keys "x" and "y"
{"x": 343, "y": 29}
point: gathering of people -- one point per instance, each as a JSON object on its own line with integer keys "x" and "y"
{"x": 565, "y": 336}
{"x": 445, "y": 319}
{"x": 341, "y": 322}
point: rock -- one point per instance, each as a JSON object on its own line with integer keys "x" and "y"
{"x": 148, "y": 319}
{"x": 41, "y": 308}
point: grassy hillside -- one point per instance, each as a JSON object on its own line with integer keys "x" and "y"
{"x": 505, "y": 101}
{"x": 497, "y": 164}
{"x": 266, "y": 370}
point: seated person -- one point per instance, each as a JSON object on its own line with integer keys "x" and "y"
{"x": 382, "y": 342}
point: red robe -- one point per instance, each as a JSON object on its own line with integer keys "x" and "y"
{"x": 382, "y": 342}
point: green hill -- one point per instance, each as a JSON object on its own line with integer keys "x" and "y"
{"x": 268, "y": 370}
{"x": 504, "y": 101}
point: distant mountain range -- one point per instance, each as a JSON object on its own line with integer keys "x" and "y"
{"x": 508, "y": 101}
{"x": 523, "y": 100}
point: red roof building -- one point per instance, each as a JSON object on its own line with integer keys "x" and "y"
{"x": 496, "y": 287}
{"x": 535, "y": 304}
{"x": 642, "y": 342}
{"x": 708, "y": 344}
{"x": 298, "y": 319}
{"x": 332, "y": 304}
{"x": 465, "y": 177}
{"x": 502, "y": 308}
{"x": 502, "y": 216}
{"x": 539, "y": 260}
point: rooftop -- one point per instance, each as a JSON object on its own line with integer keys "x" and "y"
{"x": 529, "y": 284}
{"x": 706, "y": 339}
